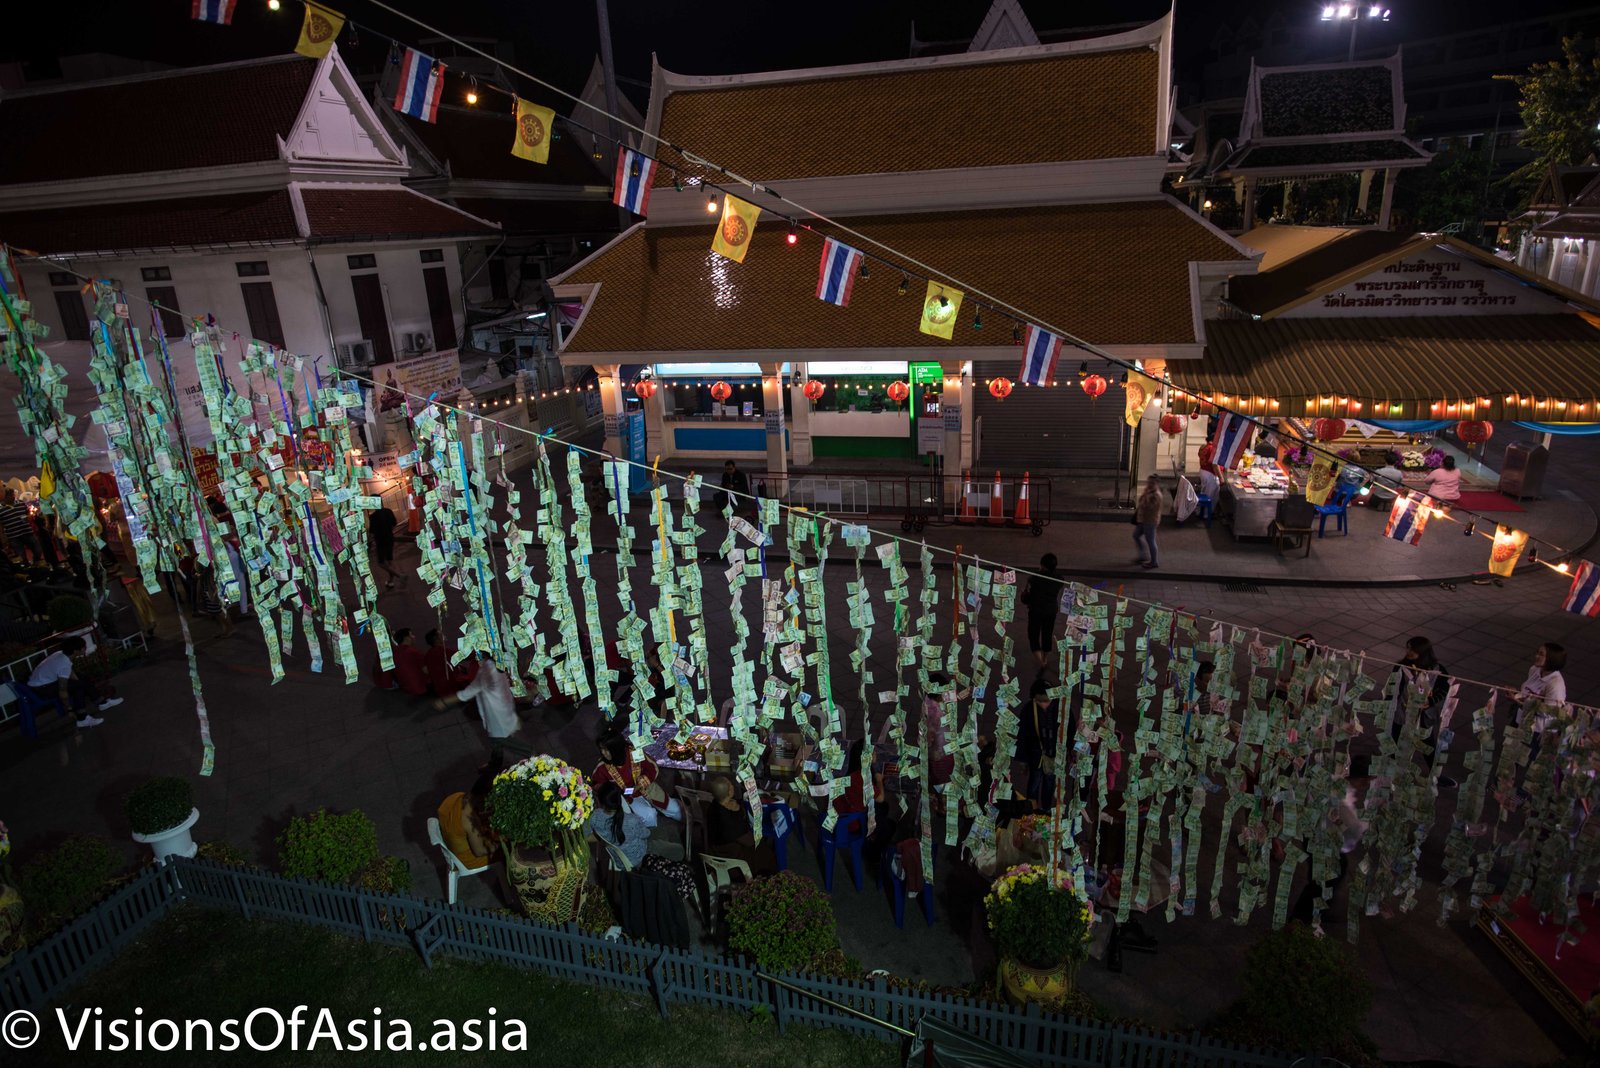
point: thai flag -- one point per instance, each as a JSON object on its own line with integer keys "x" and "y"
{"x": 421, "y": 82}
{"x": 1231, "y": 440}
{"x": 1040, "y": 351}
{"x": 218, "y": 11}
{"x": 1584, "y": 596}
{"x": 636, "y": 173}
{"x": 1407, "y": 519}
{"x": 836, "y": 276}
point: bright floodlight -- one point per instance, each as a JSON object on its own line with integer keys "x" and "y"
{"x": 1328, "y": 12}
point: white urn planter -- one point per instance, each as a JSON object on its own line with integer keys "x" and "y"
{"x": 172, "y": 842}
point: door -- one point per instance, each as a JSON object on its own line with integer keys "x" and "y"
{"x": 437, "y": 284}
{"x": 374, "y": 320}
{"x": 1056, "y": 427}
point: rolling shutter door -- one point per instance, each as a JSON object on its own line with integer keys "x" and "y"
{"x": 1059, "y": 428}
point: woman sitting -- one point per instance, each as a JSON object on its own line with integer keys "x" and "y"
{"x": 464, "y": 821}
{"x": 728, "y": 832}
{"x": 615, "y": 823}
{"x": 637, "y": 779}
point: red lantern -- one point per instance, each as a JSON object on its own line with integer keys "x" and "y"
{"x": 814, "y": 389}
{"x": 721, "y": 391}
{"x": 1000, "y": 388}
{"x": 1328, "y": 429}
{"x": 1094, "y": 385}
{"x": 645, "y": 389}
{"x": 1474, "y": 431}
{"x": 1172, "y": 424}
{"x": 898, "y": 391}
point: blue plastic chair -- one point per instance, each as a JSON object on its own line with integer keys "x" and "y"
{"x": 1338, "y": 507}
{"x": 849, "y": 832}
{"x": 897, "y": 890}
{"x": 1205, "y": 509}
{"x": 791, "y": 825}
{"x": 30, "y": 703}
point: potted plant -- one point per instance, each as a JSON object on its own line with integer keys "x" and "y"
{"x": 1041, "y": 927}
{"x": 11, "y": 934}
{"x": 161, "y": 813}
{"x": 540, "y": 808}
{"x": 785, "y": 921}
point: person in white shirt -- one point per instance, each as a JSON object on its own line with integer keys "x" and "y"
{"x": 496, "y": 705}
{"x": 53, "y": 677}
{"x": 1444, "y": 483}
{"x": 1544, "y": 685}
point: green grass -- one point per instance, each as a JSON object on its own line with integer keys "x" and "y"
{"x": 200, "y": 964}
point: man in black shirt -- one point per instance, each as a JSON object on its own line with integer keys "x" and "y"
{"x": 1039, "y": 726}
{"x": 1042, "y": 595}
{"x": 380, "y": 533}
{"x": 734, "y": 483}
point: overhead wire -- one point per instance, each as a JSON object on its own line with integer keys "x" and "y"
{"x": 902, "y": 260}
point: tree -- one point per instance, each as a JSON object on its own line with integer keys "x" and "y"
{"x": 1560, "y": 102}
{"x": 1450, "y": 189}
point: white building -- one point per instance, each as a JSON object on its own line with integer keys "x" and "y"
{"x": 265, "y": 193}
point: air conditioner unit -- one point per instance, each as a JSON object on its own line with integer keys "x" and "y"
{"x": 419, "y": 343}
{"x": 355, "y": 353}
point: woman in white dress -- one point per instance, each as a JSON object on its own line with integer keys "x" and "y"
{"x": 492, "y": 690}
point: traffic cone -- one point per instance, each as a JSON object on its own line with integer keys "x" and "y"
{"x": 997, "y": 503}
{"x": 964, "y": 507}
{"x": 1022, "y": 518}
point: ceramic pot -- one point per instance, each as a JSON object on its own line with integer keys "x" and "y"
{"x": 1024, "y": 983}
{"x": 548, "y": 882}
{"x": 172, "y": 842}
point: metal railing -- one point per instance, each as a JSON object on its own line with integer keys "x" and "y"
{"x": 19, "y": 670}
{"x": 42, "y": 973}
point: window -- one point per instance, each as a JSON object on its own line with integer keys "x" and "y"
{"x": 74, "y": 321}
{"x": 156, "y": 274}
{"x": 62, "y": 278}
{"x": 433, "y": 255}
{"x": 437, "y": 285}
{"x": 261, "y": 307}
{"x": 167, "y": 297}
{"x": 252, "y": 269}
{"x": 370, "y": 311}
{"x": 364, "y": 262}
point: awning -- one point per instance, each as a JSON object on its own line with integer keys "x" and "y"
{"x": 1538, "y": 367}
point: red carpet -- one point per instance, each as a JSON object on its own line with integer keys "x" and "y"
{"x": 1488, "y": 501}
{"x": 1567, "y": 982}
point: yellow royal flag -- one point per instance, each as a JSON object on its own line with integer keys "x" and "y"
{"x": 47, "y": 480}
{"x": 735, "y": 229}
{"x": 1319, "y": 484}
{"x": 1507, "y": 550}
{"x": 940, "y": 307}
{"x": 1141, "y": 390}
{"x": 321, "y": 26}
{"x": 534, "y": 125}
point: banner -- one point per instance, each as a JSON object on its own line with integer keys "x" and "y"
{"x": 1507, "y": 550}
{"x": 1141, "y": 390}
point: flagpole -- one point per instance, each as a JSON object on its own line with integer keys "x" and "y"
{"x": 608, "y": 76}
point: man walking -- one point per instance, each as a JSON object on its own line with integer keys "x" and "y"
{"x": 1146, "y": 517}
{"x": 380, "y": 536}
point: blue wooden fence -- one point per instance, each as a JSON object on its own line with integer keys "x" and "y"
{"x": 669, "y": 977}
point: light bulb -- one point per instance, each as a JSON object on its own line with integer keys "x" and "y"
{"x": 711, "y": 205}
{"x": 273, "y": 5}
{"x": 793, "y": 238}
{"x": 472, "y": 96}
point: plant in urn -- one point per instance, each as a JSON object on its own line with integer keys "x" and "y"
{"x": 540, "y": 808}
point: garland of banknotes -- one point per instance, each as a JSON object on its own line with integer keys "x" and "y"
{"x": 1245, "y": 778}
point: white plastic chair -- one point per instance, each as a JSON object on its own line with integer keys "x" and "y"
{"x": 719, "y": 876}
{"x": 619, "y": 859}
{"x": 453, "y": 864}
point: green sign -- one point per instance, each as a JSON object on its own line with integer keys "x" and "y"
{"x": 927, "y": 374}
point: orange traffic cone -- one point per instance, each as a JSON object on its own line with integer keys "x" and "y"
{"x": 997, "y": 503}
{"x": 964, "y": 507}
{"x": 1022, "y": 518}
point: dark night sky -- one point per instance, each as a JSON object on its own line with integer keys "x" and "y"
{"x": 691, "y": 36}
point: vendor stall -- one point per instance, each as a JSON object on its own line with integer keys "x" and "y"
{"x": 1250, "y": 497}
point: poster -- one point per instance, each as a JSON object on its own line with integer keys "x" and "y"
{"x": 406, "y": 384}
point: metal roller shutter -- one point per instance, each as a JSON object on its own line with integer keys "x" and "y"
{"x": 1056, "y": 428}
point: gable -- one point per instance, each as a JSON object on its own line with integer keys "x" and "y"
{"x": 1434, "y": 282}
{"x": 336, "y": 124}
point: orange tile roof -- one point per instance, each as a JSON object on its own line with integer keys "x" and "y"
{"x": 1113, "y": 274}
{"x": 1079, "y": 106}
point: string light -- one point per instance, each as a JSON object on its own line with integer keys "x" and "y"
{"x": 472, "y": 89}
{"x": 794, "y": 237}
{"x": 711, "y": 204}
{"x": 273, "y": 5}
{"x": 905, "y": 285}
{"x": 1083, "y": 369}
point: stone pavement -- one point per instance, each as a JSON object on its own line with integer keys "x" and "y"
{"x": 310, "y": 741}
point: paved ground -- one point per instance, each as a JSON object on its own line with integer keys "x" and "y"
{"x": 310, "y": 741}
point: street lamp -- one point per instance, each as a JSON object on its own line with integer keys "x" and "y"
{"x": 1354, "y": 14}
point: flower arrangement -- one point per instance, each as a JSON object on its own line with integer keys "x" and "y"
{"x": 1040, "y": 920}
{"x": 536, "y": 801}
{"x": 1421, "y": 460}
{"x": 785, "y": 921}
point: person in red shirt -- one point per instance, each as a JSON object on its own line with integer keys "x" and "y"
{"x": 638, "y": 779}
{"x": 443, "y": 679}
{"x": 410, "y": 667}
